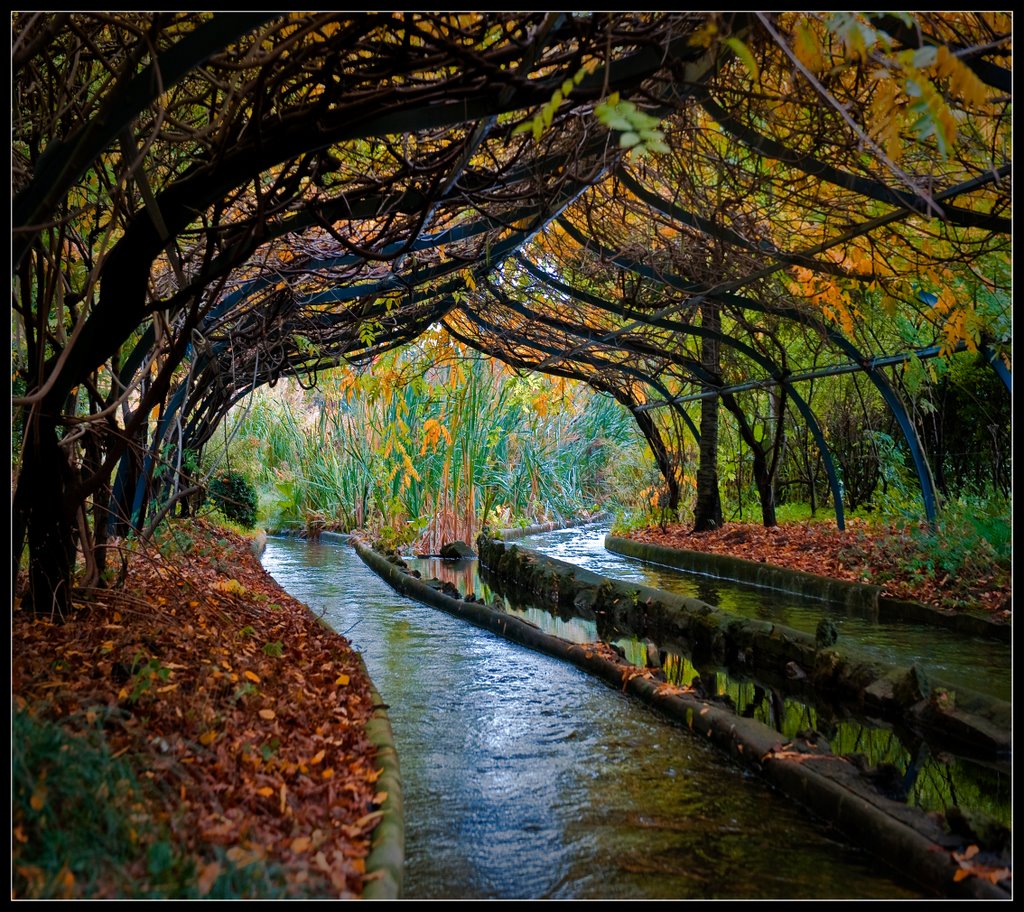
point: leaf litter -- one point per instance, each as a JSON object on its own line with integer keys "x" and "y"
{"x": 262, "y": 753}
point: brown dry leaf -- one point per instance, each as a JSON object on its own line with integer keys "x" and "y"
{"x": 301, "y": 844}
{"x": 267, "y": 714}
{"x": 672, "y": 690}
{"x": 207, "y": 877}
{"x": 967, "y": 854}
{"x": 368, "y": 818}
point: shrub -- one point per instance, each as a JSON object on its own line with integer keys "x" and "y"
{"x": 235, "y": 496}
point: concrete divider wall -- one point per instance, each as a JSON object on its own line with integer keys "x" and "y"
{"x": 722, "y": 566}
{"x": 386, "y": 861}
{"x": 862, "y": 596}
{"x": 524, "y": 531}
{"x": 829, "y": 786}
{"x": 977, "y": 724}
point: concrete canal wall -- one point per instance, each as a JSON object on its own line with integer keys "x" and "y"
{"x": 828, "y": 785}
{"x": 809, "y": 585}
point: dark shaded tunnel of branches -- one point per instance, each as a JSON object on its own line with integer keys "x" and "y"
{"x": 671, "y": 207}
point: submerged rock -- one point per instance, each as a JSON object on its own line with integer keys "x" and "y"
{"x": 457, "y": 550}
{"x": 826, "y": 634}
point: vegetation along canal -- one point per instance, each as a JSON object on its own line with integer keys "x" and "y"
{"x": 524, "y": 777}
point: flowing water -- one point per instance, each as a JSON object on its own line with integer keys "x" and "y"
{"x": 523, "y": 777}
{"x": 977, "y": 663}
{"x": 932, "y": 775}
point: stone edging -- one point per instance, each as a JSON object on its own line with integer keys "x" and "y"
{"x": 741, "y": 570}
{"x": 523, "y": 531}
{"x": 826, "y": 784}
{"x": 384, "y": 865}
{"x": 809, "y": 585}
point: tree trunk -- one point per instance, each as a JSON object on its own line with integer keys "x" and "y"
{"x": 708, "y": 511}
{"x": 765, "y": 488}
{"x": 43, "y": 512}
{"x": 761, "y": 470}
{"x": 666, "y": 465}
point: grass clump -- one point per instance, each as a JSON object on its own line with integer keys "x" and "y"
{"x": 83, "y": 825}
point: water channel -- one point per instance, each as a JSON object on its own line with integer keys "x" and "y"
{"x": 525, "y": 778}
{"x": 977, "y": 663}
{"x": 932, "y": 775}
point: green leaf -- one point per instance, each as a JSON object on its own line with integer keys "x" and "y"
{"x": 925, "y": 57}
{"x": 743, "y": 52}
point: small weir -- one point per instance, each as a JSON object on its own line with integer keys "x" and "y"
{"x": 523, "y": 777}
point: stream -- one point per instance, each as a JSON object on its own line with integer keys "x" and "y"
{"x": 523, "y": 777}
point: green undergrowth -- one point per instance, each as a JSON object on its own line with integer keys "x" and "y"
{"x": 83, "y": 824}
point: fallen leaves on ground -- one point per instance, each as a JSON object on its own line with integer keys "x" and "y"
{"x": 862, "y": 554}
{"x": 971, "y": 865}
{"x": 246, "y": 711}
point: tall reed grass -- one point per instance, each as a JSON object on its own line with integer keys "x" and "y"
{"x": 425, "y": 449}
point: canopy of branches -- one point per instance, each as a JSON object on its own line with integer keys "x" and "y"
{"x": 205, "y": 203}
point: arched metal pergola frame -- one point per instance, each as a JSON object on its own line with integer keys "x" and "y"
{"x": 205, "y": 203}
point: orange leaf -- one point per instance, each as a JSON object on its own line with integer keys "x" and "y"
{"x": 252, "y": 676}
{"x": 328, "y": 773}
{"x": 301, "y": 844}
{"x": 267, "y": 714}
{"x": 208, "y": 737}
{"x": 266, "y": 791}
{"x": 342, "y": 680}
{"x": 207, "y": 877}
{"x": 967, "y": 854}
{"x": 38, "y": 799}
{"x": 318, "y": 758}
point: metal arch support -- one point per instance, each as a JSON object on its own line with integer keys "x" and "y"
{"x": 826, "y": 454}
{"x": 802, "y": 405}
{"x": 899, "y": 411}
{"x": 924, "y": 475}
{"x": 999, "y": 366}
{"x": 643, "y": 378}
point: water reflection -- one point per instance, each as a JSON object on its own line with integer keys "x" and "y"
{"x": 525, "y": 778}
{"x": 926, "y": 777}
{"x": 976, "y": 663}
